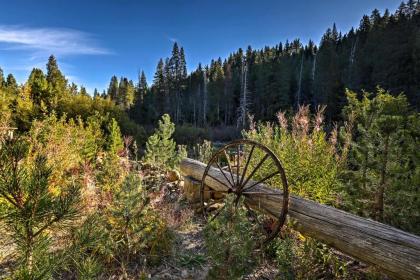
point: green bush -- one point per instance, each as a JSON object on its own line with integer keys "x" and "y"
{"x": 312, "y": 160}
{"x": 383, "y": 178}
{"x": 133, "y": 226}
{"x": 127, "y": 232}
{"x": 230, "y": 243}
{"x": 161, "y": 148}
{"x": 202, "y": 152}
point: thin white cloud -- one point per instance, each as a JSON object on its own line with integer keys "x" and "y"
{"x": 58, "y": 41}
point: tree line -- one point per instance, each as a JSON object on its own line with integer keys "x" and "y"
{"x": 383, "y": 50}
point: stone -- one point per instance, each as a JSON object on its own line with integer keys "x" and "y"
{"x": 181, "y": 184}
{"x": 184, "y": 273}
{"x": 218, "y": 195}
{"x": 191, "y": 190}
{"x": 173, "y": 176}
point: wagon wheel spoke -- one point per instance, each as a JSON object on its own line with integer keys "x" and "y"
{"x": 217, "y": 213}
{"x": 238, "y": 156}
{"x": 263, "y": 193}
{"x": 252, "y": 213}
{"x": 215, "y": 191}
{"x": 224, "y": 175}
{"x": 246, "y": 165}
{"x": 214, "y": 178}
{"x": 229, "y": 166}
{"x": 256, "y": 168}
{"x": 262, "y": 180}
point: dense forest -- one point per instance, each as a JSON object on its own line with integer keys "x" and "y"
{"x": 90, "y": 185}
{"x": 383, "y": 51}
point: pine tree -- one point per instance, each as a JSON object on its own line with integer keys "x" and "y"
{"x": 11, "y": 85}
{"x": 2, "y": 81}
{"x": 375, "y": 18}
{"x": 160, "y": 147}
{"x": 365, "y": 24}
{"x": 142, "y": 88}
{"x": 73, "y": 89}
{"x": 57, "y": 83}
{"x": 129, "y": 95}
{"x": 113, "y": 89}
{"x": 126, "y": 93}
{"x": 159, "y": 86}
{"x": 83, "y": 91}
{"x": 380, "y": 149}
{"x": 38, "y": 86}
{"x": 141, "y": 111}
{"x": 182, "y": 64}
{"x": 114, "y": 141}
{"x": 31, "y": 210}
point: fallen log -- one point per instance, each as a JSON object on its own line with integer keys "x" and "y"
{"x": 395, "y": 252}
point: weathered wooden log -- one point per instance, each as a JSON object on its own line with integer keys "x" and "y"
{"x": 395, "y": 252}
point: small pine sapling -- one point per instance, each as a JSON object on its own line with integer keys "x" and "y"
{"x": 31, "y": 211}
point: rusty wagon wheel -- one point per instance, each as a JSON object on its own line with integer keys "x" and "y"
{"x": 240, "y": 169}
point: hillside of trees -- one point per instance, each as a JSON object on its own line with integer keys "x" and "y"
{"x": 383, "y": 50}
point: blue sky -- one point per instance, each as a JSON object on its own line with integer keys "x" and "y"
{"x": 94, "y": 40}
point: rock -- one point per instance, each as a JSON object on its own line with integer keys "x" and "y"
{"x": 191, "y": 189}
{"x": 184, "y": 273}
{"x": 218, "y": 195}
{"x": 207, "y": 193}
{"x": 173, "y": 176}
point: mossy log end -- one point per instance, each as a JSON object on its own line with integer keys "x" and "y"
{"x": 395, "y": 252}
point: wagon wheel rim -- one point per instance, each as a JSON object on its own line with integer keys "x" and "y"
{"x": 242, "y": 177}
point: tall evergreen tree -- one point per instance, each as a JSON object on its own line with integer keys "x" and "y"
{"x": 11, "y": 85}
{"x": 57, "y": 83}
{"x": 113, "y": 88}
{"x": 83, "y": 91}
{"x": 38, "y": 86}
{"x": 159, "y": 86}
{"x": 2, "y": 81}
{"x": 126, "y": 92}
{"x": 95, "y": 93}
{"x": 142, "y": 87}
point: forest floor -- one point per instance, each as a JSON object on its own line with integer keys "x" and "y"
{"x": 189, "y": 259}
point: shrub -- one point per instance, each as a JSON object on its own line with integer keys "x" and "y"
{"x": 31, "y": 211}
{"x": 114, "y": 142}
{"x": 161, "y": 148}
{"x": 124, "y": 234}
{"x": 70, "y": 146}
{"x": 134, "y": 227}
{"x": 230, "y": 243}
{"x": 299, "y": 257}
{"x": 202, "y": 152}
{"x": 384, "y": 172}
{"x": 312, "y": 160}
